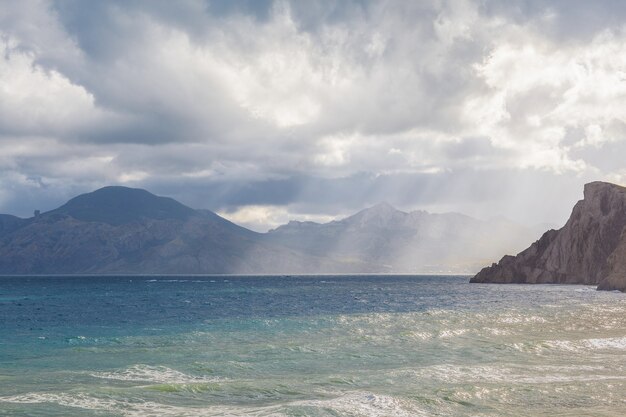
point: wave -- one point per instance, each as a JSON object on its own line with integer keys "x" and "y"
{"x": 124, "y": 408}
{"x": 460, "y": 374}
{"x": 609, "y": 343}
{"x": 518, "y": 318}
{"x": 154, "y": 374}
{"x": 67, "y": 400}
{"x": 365, "y": 404}
{"x": 357, "y": 404}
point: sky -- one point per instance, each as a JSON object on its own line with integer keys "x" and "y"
{"x": 266, "y": 111}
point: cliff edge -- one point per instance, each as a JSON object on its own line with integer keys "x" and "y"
{"x": 590, "y": 249}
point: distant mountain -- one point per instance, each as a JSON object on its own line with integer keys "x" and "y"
{"x": 406, "y": 242}
{"x": 589, "y": 249}
{"x": 122, "y": 205}
{"x": 126, "y": 230}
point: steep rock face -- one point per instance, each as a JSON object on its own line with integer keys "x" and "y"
{"x": 585, "y": 251}
{"x": 616, "y": 278}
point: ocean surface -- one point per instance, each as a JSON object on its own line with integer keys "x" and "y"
{"x": 308, "y": 346}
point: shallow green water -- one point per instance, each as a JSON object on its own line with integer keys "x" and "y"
{"x": 308, "y": 346}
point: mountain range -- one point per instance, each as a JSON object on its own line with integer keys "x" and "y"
{"x": 116, "y": 230}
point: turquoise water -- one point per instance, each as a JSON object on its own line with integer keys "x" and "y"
{"x": 308, "y": 346}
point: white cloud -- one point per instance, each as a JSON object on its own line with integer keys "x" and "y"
{"x": 261, "y": 218}
{"x": 149, "y": 94}
{"x": 35, "y": 24}
{"x": 539, "y": 89}
{"x": 35, "y": 100}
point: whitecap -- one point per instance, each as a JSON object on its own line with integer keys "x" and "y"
{"x": 63, "y": 399}
{"x": 613, "y": 343}
{"x": 452, "y": 333}
{"x": 607, "y": 343}
{"x": 124, "y": 408}
{"x": 520, "y": 318}
{"x": 154, "y": 374}
{"x": 459, "y": 374}
{"x": 366, "y": 404}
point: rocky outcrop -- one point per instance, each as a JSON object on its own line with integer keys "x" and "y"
{"x": 590, "y": 249}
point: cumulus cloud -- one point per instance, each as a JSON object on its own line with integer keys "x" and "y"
{"x": 277, "y": 109}
{"x": 40, "y": 101}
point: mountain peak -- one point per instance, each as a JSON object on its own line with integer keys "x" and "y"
{"x": 382, "y": 207}
{"x": 595, "y": 188}
{"x": 379, "y": 215}
{"x": 119, "y": 205}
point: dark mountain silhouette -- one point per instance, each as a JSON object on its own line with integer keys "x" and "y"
{"x": 125, "y": 230}
{"x": 121, "y": 205}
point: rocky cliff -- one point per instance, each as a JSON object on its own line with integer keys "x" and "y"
{"x": 589, "y": 249}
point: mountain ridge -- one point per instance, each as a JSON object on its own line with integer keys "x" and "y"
{"x": 406, "y": 240}
{"x": 124, "y": 230}
{"x": 142, "y": 233}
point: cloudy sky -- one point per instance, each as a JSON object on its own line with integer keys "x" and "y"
{"x": 269, "y": 110}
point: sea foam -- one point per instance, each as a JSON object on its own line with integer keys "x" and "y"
{"x": 154, "y": 374}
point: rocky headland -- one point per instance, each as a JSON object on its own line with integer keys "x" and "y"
{"x": 590, "y": 249}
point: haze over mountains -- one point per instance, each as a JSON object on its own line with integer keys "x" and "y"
{"x": 406, "y": 242}
{"x": 125, "y": 230}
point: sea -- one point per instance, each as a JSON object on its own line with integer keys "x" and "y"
{"x": 356, "y": 345}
